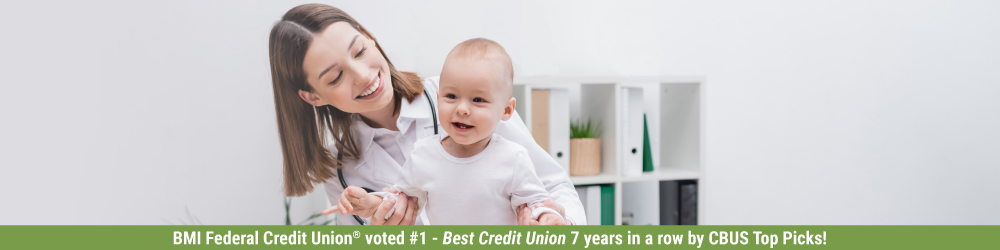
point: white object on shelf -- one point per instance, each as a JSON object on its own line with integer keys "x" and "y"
{"x": 559, "y": 122}
{"x": 593, "y": 206}
{"x": 631, "y": 131}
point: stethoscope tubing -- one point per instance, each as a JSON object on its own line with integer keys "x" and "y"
{"x": 340, "y": 171}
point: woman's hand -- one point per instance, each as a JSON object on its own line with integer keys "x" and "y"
{"x": 354, "y": 200}
{"x": 405, "y": 213}
{"x": 550, "y": 219}
{"x": 524, "y": 214}
{"x": 553, "y": 205}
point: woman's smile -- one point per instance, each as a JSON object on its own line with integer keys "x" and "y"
{"x": 374, "y": 88}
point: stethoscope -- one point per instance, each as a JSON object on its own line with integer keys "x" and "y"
{"x": 340, "y": 171}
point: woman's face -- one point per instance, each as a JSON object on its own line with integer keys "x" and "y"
{"x": 346, "y": 70}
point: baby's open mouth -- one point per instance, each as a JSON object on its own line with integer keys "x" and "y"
{"x": 463, "y": 126}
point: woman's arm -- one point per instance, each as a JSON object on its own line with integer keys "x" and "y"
{"x": 405, "y": 212}
{"x": 527, "y": 190}
{"x": 553, "y": 175}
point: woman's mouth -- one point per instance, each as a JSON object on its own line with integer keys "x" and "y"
{"x": 462, "y": 127}
{"x": 374, "y": 88}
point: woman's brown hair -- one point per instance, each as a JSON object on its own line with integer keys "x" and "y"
{"x": 302, "y": 127}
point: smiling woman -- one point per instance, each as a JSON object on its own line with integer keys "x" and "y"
{"x": 332, "y": 81}
{"x": 301, "y": 71}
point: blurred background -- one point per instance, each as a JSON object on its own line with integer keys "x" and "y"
{"x": 816, "y": 112}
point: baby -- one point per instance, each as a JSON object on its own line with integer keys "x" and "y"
{"x": 470, "y": 176}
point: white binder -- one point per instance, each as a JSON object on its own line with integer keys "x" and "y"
{"x": 559, "y": 126}
{"x": 593, "y": 206}
{"x": 631, "y": 131}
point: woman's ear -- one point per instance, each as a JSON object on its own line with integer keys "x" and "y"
{"x": 311, "y": 98}
{"x": 509, "y": 109}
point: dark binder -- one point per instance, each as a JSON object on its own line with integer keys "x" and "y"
{"x": 689, "y": 203}
{"x": 669, "y": 203}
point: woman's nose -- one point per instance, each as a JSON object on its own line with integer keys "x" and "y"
{"x": 360, "y": 74}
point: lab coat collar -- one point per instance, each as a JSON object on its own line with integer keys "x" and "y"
{"x": 418, "y": 110}
{"x": 363, "y": 136}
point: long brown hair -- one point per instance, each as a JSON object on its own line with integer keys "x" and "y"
{"x": 302, "y": 127}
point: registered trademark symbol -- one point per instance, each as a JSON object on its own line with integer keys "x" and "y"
{"x": 357, "y": 234}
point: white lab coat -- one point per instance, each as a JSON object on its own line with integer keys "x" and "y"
{"x": 377, "y": 169}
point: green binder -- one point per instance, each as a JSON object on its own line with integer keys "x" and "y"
{"x": 647, "y": 151}
{"x": 607, "y": 205}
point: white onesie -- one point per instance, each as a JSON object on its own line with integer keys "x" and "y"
{"x": 484, "y": 189}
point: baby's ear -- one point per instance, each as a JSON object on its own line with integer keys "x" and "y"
{"x": 509, "y": 109}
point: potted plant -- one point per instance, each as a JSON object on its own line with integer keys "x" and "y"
{"x": 584, "y": 148}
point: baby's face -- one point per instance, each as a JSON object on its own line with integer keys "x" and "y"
{"x": 472, "y": 100}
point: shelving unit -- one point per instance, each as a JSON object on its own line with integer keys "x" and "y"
{"x": 673, "y": 106}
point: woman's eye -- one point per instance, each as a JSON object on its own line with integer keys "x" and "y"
{"x": 335, "y": 80}
{"x": 450, "y": 96}
{"x": 478, "y": 99}
{"x": 361, "y": 52}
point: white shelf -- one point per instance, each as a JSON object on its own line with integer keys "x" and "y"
{"x": 664, "y": 175}
{"x": 660, "y": 175}
{"x": 603, "y": 178}
{"x": 674, "y": 110}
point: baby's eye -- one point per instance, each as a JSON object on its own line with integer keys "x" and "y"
{"x": 449, "y": 96}
{"x": 478, "y": 99}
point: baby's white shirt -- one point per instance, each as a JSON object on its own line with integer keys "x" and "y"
{"x": 484, "y": 189}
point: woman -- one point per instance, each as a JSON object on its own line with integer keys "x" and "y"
{"x": 332, "y": 81}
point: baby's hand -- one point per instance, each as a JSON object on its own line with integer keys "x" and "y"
{"x": 550, "y": 219}
{"x": 354, "y": 200}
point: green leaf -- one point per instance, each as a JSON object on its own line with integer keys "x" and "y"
{"x": 579, "y": 129}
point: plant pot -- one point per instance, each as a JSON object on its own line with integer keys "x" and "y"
{"x": 584, "y": 156}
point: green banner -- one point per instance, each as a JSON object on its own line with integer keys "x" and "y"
{"x": 500, "y": 237}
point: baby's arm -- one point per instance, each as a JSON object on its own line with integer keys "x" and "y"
{"x": 354, "y": 200}
{"x": 411, "y": 184}
{"x": 528, "y": 190}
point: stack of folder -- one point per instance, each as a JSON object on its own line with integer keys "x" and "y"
{"x": 598, "y": 203}
{"x": 679, "y": 202}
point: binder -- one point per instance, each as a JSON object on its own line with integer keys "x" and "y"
{"x": 607, "y": 205}
{"x": 631, "y": 149}
{"x": 593, "y": 205}
{"x": 647, "y": 149}
{"x": 689, "y": 203}
{"x": 559, "y": 126}
{"x": 540, "y": 117}
{"x": 669, "y": 203}
{"x": 582, "y": 192}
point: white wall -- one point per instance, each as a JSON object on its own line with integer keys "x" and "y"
{"x": 835, "y": 112}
